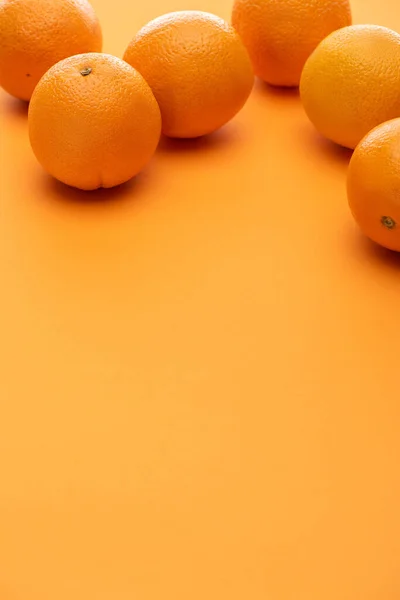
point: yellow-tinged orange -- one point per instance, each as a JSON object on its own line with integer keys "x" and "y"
{"x": 373, "y": 184}
{"x": 36, "y": 34}
{"x": 281, "y": 34}
{"x": 197, "y": 67}
{"x": 93, "y": 121}
{"x": 351, "y": 82}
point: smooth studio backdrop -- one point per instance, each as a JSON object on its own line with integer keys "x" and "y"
{"x": 199, "y": 371}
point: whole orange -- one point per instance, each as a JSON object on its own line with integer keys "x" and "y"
{"x": 36, "y": 34}
{"x": 373, "y": 184}
{"x": 281, "y": 34}
{"x": 93, "y": 121}
{"x": 198, "y": 69}
{"x": 351, "y": 82}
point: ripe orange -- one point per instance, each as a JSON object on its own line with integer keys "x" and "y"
{"x": 36, "y": 34}
{"x": 281, "y": 34}
{"x": 93, "y": 121}
{"x": 351, "y": 82}
{"x": 198, "y": 69}
{"x": 373, "y": 184}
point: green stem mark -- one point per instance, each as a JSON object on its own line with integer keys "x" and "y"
{"x": 388, "y": 222}
{"x": 86, "y": 71}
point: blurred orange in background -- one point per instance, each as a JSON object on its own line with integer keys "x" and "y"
{"x": 351, "y": 82}
{"x": 280, "y": 36}
{"x": 36, "y": 34}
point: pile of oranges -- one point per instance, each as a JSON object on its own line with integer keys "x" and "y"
{"x": 95, "y": 120}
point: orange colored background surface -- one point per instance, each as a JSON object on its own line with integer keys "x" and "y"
{"x": 199, "y": 371}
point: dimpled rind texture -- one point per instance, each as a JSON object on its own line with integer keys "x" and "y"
{"x": 281, "y": 34}
{"x": 351, "y": 82}
{"x": 97, "y": 130}
{"x": 36, "y": 34}
{"x": 198, "y": 69}
{"x": 373, "y": 184}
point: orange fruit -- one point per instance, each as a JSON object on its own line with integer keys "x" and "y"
{"x": 93, "y": 121}
{"x": 373, "y": 185}
{"x": 351, "y": 82}
{"x": 281, "y": 34}
{"x": 198, "y": 69}
{"x": 36, "y": 34}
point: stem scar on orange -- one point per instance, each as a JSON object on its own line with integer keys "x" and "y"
{"x": 373, "y": 184}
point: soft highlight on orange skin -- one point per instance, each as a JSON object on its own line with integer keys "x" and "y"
{"x": 93, "y": 121}
{"x": 351, "y": 82}
{"x": 198, "y": 69}
{"x": 373, "y": 185}
{"x": 281, "y": 34}
{"x": 36, "y": 34}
